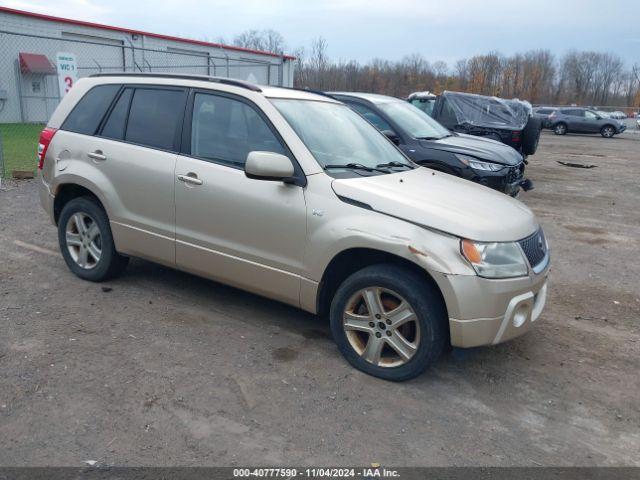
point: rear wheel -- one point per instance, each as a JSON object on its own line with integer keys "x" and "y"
{"x": 560, "y": 128}
{"x": 607, "y": 131}
{"x": 388, "y": 321}
{"x": 86, "y": 242}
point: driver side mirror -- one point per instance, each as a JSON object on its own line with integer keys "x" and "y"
{"x": 391, "y": 135}
{"x": 268, "y": 166}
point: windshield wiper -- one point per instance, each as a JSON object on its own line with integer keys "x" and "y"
{"x": 447, "y": 135}
{"x": 394, "y": 164}
{"x": 356, "y": 166}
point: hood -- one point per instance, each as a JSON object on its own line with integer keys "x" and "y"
{"x": 481, "y": 148}
{"x": 442, "y": 202}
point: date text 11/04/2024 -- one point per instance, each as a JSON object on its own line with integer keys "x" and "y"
{"x": 365, "y": 473}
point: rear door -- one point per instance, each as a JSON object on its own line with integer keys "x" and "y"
{"x": 575, "y": 119}
{"x": 244, "y": 232}
{"x": 136, "y": 151}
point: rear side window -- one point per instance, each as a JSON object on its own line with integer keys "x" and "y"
{"x": 226, "y": 130}
{"x": 545, "y": 111}
{"x": 154, "y": 117}
{"x": 87, "y": 114}
{"x": 573, "y": 112}
{"x": 115, "y": 125}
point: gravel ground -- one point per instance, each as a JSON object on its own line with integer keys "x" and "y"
{"x": 163, "y": 368}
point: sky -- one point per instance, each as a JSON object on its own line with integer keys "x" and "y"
{"x": 445, "y": 30}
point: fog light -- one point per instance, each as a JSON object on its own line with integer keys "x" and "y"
{"x": 520, "y": 316}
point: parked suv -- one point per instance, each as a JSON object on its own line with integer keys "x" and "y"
{"x": 582, "y": 120}
{"x": 295, "y": 197}
{"x": 544, "y": 114}
{"x": 428, "y": 143}
{"x": 506, "y": 120}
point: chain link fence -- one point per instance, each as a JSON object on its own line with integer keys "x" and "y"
{"x": 36, "y": 70}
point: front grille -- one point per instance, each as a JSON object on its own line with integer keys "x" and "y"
{"x": 534, "y": 248}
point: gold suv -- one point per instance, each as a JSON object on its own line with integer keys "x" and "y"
{"x": 293, "y": 196}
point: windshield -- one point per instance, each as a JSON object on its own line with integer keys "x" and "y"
{"x": 414, "y": 121}
{"x": 425, "y": 105}
{"x": 336, "y": 135}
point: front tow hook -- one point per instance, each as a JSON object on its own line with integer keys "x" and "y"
{"x": 526, "y": 185}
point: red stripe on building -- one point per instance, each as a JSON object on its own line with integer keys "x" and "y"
{"x": 139, "y": 32}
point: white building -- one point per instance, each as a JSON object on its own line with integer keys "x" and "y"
{"x": 32, "y": 79}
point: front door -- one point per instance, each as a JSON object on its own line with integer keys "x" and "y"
{"x": 591, "y": 122}
{"x": 244, "y": 232}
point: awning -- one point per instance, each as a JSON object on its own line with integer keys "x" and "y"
{"x": 36, "y": 63}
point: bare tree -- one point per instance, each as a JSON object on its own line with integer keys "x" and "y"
{"x": 265, "y": 40}
{"x": 588, "y": 78}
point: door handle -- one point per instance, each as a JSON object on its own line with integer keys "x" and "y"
{"x": 97, "y": 155}
{"x": 191, "y": 178}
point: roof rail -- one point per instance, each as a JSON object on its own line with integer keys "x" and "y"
{"x": 311, "y": 90}
{"x": 185, "y": 76}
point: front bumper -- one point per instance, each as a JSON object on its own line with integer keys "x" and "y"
{"x": 508, "y": 180}
{"x": 488, "y": 311}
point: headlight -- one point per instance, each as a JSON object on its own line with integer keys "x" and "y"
{"x": 478, "y": 165}
{"x": 495, "y": 259}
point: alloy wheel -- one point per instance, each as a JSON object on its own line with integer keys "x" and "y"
{"x": 381, "y": 327}
{"x": 84, "y": 240}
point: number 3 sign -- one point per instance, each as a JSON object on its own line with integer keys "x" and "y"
{"x": 67, "y": 72}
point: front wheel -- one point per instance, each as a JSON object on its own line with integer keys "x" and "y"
{"x": 86, "y": 242}
{"x": 389, "y": 322}
{"x": 607, "y": 131}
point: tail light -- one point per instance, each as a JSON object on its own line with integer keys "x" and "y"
{"x": 515, "y": 136}
{"x": 45, "y": 139}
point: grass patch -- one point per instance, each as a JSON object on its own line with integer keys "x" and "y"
{"x": 19, "y": 146}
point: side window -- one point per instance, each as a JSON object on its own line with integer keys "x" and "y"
{"x": 573, "y": 112}
{"x": 226, "y": 130}
{"x": 115, "y": 124}
{"x": 590, "y": 115}
{"x": 154, "y": 117}
{"x": 371, "y": 116}
{"x": 87, "y": 114}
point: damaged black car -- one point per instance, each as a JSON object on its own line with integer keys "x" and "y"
{"x": 508, "y": 121}
{"x": 426, "y": 142}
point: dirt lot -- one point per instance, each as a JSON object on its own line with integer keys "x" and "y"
{"x": 163, "y": 368}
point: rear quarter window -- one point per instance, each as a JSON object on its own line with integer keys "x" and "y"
{"x": 89, "y": 111}
{"x": 115, "y": 124}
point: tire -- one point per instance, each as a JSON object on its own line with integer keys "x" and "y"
{"x": 531, "y": 136}
{"x": 86, "y": 241}
{"x": 422, "y": 336}
{"x": 608, "y": 131}
{"x": 560, "y": 128}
